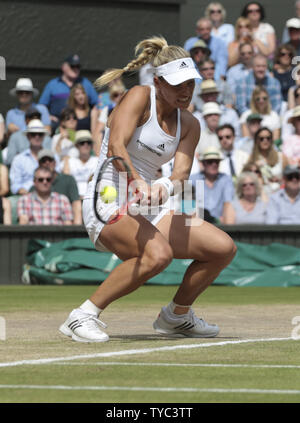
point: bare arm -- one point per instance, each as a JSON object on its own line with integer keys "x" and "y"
{"x": 7, "y": 211}
{"x": 228, "y": 214}
{"x": 77, "y": 216}
{"x": 4, "y": 181}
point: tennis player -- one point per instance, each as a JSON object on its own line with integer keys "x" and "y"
{"x": 148, "y": 127}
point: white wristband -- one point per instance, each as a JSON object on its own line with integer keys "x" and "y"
{"x": 166, "y": 183}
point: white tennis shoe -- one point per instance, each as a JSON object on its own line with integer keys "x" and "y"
{"x": 186, "y": 325}
{"x": 84, "y": 327}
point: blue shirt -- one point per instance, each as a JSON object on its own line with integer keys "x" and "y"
{"x": 235, "y": 73}
{"x": 19, "y": 142}
{"x": 281, "y": 210}
{"x": 22, "y": 171}
{"x": 17, "y": 116}
{"x": 215, "y": 197}
{"x": 219, "y": 53}
{"x": 56, "y": 94}
{"x": 245, "y": 86}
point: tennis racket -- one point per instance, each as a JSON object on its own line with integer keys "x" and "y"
{"x": 106, "y": 194}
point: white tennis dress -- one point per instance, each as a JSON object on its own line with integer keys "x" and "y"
{"x": 149, "y": 148}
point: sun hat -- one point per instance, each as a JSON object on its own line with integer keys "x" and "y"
{"x": 83, "y": 135}
{"x": 293, "y": 23}
{"x": 211, "y": 153}
{"x": 211, "y": 108}
{"x": 200, "y": 44}
{"x": 208, "y": 87}
{"x": 35, "y": 126}
{"x": 23, "y": 84}
{"x": 178, "y": 71}
{"x": 296, "y": 114}
{"x": 45, "y": 153}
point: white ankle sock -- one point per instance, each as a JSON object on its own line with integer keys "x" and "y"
{"x": 171, "y": 307}
{"x": 90, "y": 307}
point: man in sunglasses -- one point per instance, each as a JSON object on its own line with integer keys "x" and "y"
{"x": 284, "y": 205}
{"x": 42, "y": 206}
{"x": 57, "y": 90}
{"x": 25, "y": 163}
{"x": 218, "y": 187}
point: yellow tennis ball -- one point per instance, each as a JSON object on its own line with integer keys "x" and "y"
{"x": 108, "y": 194}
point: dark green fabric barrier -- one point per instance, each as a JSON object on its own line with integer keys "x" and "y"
{"x": 76, "y": 261}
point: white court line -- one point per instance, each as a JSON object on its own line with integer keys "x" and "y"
{"x": 143, "y": 364}
{"x": 154, "y": 389}
{"x": 138, "y": 351}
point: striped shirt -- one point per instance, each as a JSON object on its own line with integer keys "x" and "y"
{"x": 55, "y": 211}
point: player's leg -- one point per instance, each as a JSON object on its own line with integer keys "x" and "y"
{"x": 211, "y": 249}
{"x": 145, "y": 253}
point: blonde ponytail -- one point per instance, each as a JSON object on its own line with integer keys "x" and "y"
{"x": 153, "y": 50}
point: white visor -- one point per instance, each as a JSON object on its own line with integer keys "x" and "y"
{"x": 178, "y": 71}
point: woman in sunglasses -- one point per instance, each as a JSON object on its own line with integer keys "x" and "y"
{"x": 260, "y": 104}
{"x": 247, "y": 206}
{"x": 291, "y": 143}
{"x": 84, "y": 165}
{"x": 283, "y": 68}
{"x": 270, "y": 161}
{"x": 217, "y": 14}
{"x": 243, "y": 34}
{"x": 263, "y": 32}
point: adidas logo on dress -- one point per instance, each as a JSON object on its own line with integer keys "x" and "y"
{"x": 161, "y": 147}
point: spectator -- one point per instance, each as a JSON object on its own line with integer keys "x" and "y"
{"x": 217, "y": 46}
{"x": 79, "y": 102}
{"x": 247, "y": 207}
{"x": 243, "y": 67}
{"x": 43, "y": 207}
{"x": 254, "y": 168}
{"x": 83, "y": 167}
{"x": 234, "y": 159}
{"x": 253, "y": 124}
{"x": 270, "y": 161}
{"x": 63, "y": 143}
{"x": 283, "y": 68}
{"x": 286, "y": 127}
{"x": 293, "y": 27}
{"x": 285, "y": 35}
{"x": 5, "y": 211}
{"x": 199, "y": 52}
{"x": 258, "y": 76}
{"x": 57, "y": 90}
{"x": 4, "y": 180}
{"x": 209, "y": 93}
{"x": 24, "y": 164}
{"x": 63, "y": 184}
{"x": 218, "y": 187}
{"x": 263, "y": 32}
{"x": 260, "y": 104}
{"x": 207, "y": 71}
{"x": 116, "y": 92}
{"x": 146, "y": 78}
{"x": 18, "y": 141}
{"x": 15, "y": 118}
{"x": 291, "y": 143}
{"x": 243, "y": 35}
{"x": 217, "y": 14}
{"x": 2, "y": 134}
{"x": 284, "y": 205}
{"x": 208, "y": 138}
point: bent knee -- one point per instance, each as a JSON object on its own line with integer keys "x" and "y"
{"x": 227, "y": 250}
{"x": 159, "y": 257}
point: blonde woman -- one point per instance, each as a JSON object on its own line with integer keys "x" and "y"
{"x": 217, "y": 14}
{"x": 270, "y": 161}
{"x": 79, "y": 102}
{"x": 242, "y": 35}
{"x": 247, "y": 206}
{"x": 155, "y": 115}
{"x": 260, "y": 104}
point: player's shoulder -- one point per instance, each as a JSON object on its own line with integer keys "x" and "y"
{"x": 189, "y": 121}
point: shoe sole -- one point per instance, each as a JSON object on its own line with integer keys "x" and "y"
{"x": 182, "y": 334}
{"x": 65, "y": 330}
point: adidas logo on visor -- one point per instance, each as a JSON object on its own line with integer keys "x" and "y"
{"x": 183, "y": 65}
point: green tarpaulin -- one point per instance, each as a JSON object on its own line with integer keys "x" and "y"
{"x": 75, "y": 261}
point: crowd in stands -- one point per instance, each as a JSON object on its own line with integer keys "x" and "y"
{"x": 247, "y": 100}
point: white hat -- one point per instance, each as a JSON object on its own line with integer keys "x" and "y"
{"x": 211, "y": 108}
{"x": 293, "y": 23}
{"x": 178, "y": 71}
{"x": 211, "y": 153}
{"x": 34, "y": 126}
{"x": 23, "y": 84}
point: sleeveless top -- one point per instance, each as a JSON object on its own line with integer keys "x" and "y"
{"x": 149, "y": 148}
{"x": 84, "y": 123}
